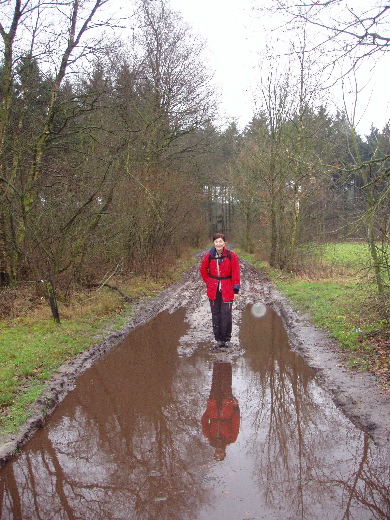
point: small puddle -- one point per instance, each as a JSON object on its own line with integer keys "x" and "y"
{"x": 149, "y": 434}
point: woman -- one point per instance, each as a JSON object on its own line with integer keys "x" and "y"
{"x": 220, "y": 270}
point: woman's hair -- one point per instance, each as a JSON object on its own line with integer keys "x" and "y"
{"x": 219, "y": 235}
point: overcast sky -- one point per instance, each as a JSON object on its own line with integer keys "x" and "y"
{"x": 235, "y": 39}
{"x": 232, "y": 49}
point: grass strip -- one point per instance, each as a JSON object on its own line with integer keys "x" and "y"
{"x": 30, "y": 351}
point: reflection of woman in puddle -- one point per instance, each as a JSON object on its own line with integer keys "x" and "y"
{"x": 221, "y": 420}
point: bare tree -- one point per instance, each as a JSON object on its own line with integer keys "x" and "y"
{"x": 169, "y": 101}
{"x": 352, "y": 26}
{"x": 39, "y": 32}
{"x": 349, "y": 34}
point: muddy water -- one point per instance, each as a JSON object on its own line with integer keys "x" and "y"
{"x": 149, "y": 433}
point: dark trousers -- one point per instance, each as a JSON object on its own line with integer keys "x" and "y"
{"x": 221, "y": 315}
{"x": 221, "y": 384}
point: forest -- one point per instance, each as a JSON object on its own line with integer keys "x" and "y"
{"x": 111, "y": 159}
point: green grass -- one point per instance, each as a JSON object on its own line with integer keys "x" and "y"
{"x": 30, "y": 351}
{"x": 18, "y": 411}
{"x": 347, "y": 254}
{"x": 329, "y": 305}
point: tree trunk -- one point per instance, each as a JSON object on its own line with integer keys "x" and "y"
{"x": 4, "y": 270}
{"x": 51, "y": 295}
{"x": 370, "y": 217}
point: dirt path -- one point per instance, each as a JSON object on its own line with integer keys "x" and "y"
{"x": 357, "y": 393}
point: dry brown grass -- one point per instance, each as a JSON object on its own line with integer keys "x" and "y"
{"x": 29, "y": 300}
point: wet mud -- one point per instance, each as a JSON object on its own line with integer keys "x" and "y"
{"x": 161, "y": 427}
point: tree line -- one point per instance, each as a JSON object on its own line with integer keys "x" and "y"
{"x": 110, "y": 157}
{"x": 98, "y": 158}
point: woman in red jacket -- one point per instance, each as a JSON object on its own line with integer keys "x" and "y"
{"x": 220, "y": 270}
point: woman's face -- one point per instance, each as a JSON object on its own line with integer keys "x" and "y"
{"x": 219, "y": 245}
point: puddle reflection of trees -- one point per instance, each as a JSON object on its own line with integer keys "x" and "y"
{"x": 127, "y": 442}
{"x": 123, "y": 444}
{"x": 308, "y": 457}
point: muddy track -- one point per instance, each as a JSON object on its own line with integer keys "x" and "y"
{"x": 358, "y": 394}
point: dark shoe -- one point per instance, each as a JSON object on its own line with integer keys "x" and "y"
{"x": 218, "y": 347}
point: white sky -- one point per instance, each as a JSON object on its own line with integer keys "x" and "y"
{"x": 232, "y": 44}
{"x": 235, "y": 39}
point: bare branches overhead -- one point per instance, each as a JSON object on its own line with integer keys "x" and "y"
{"x": 352, "y": 24}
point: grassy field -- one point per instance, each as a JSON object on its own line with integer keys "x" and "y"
{"x": 349, "y": 255}
{"x": 336, "y": 291}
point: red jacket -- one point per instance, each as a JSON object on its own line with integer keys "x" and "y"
{"x": 223, "y": 424}
{"x": 228, "y": 275}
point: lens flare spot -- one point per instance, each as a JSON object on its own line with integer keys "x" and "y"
{"x": 258, "y": 310}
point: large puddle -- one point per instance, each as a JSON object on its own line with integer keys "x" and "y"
{"x": 150, "y": 434}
